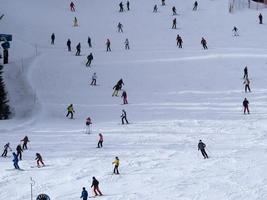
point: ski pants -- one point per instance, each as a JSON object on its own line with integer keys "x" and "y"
{"x": 246, "y": 109}
{"x": 97, "y": 191}
{"x": 24, "y": 146}
{"x": 205, "y": 46}
{"x": 93, "y": 82}
{"x": 89, "y": 44}
{"x": 195, "y": 8}
{"x": 174, "y": 26}
{"x": 205, "y": 155}
{"x": 100, "y": 144}
{"x": 88, "y": 62}
{"x": 78, "y": 52}
{"x": 4, "y": 153}
{"x": 70, "y": 113}
{"x": 69, "y": 48}
{"x": 52, "y": 41}
{"x": 40, "y": 161}
{"x": 16, "y": 165}
{"x": 19, "y": 154}
{"x": 72, "y": 9}
{"x": 116, "y": 169}
{"x": 125, "y": 101}
{"x": 127, "y": 46}
{"x": 108, "y": 48}
{"x": 115, "y": 93}
{"x": 247, "y": 88}
{"x": 122, "y": 120}
{"x": 120, "y": 30}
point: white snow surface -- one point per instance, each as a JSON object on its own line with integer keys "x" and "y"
{"x": 176, "y": 97}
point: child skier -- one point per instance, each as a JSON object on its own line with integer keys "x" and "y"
{"x": 70, "y": 111}
{"x": 15, "y": 160}
{"x": 124, "y": 96}
{"x": 84, "y": 194}
{"x": 235, "y": 30}
{"x": 127, "y": 47}
{"x": 39, "y": 160}
{"x": 120, "y": 27}
{"x": 6, "y": 148}
{"x": 88, "y": 124}
{"x": 94, "y": 77}
{"x": 201, "y": 147}
{"x": 95, "y": 186}
{"x": 116, "y": 163}
{"x": 100, "y": 141}
{"x": 179, "y": 41}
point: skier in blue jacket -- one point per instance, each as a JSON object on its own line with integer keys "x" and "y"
{"x": 15, "y": 161}
{"x": 84, "y": 194}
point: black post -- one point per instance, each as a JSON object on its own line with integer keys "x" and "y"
{"x": 5, "y": 55}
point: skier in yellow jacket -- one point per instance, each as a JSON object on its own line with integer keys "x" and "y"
{"x": 116, "y": 163}
{"x": 70, "y": 111}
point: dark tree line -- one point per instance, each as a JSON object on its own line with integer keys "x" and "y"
{"x": 4, "y": 107}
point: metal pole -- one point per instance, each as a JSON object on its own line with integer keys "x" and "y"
{"x": 32, "y": 184}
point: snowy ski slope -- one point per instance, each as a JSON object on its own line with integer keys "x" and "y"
{"x": 176, "y": 97}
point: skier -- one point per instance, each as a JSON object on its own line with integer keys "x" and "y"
{"x": 78, "y": 49}
{"x": 95, "y": 185}
{"x": 245, "y": 72}
{"x": 108, "y": 45}
{"x": 25, "y": 140}
{"x": 124, "y": 96}
{"x": 69, "y": 45}
{"x": 246, "y": 83}
{"x": 174, "y": 23}
{"x": 260, "y": 18}
{"x": 128, "y": 5}
{"x": 19, "y": 151}
{"x": 89, "y": 42}
{"x": 163, "y": 2}
{"x": 94, "y": 77}
{"x": 6, "y": 148}
{"x": 204, "y": 43}
{"x": 89, "y": 59}
{"x": 121, "y": 7}
{"x": 75, "y": 22}
{"x": 179, "y": 41}
{"x": 120, "y": 27}
{"x": 72, "y": 7}
{"x": 53, "y": 37}
{"x": 88, "y": 124}
{"x": 201, "y": 147}
{"x": 155, "y": 9}
{"x": 39, "y": 160}
{"x": 84, "y": 194}
{"x": 117, "y": 87}
{"x": 100, "y": 141}
{"x": 174, "y": 11}
{"x": 245, "y": 105}
{"x": 15, "y": 160}
{"x": 124, "y": 117}
{"x": 70, "y": 111}
{"x": 195, "y": 5}
{"x": 116, "y": 163}
{"x": 235, "y": 30}
{"x": 127, "y": 47}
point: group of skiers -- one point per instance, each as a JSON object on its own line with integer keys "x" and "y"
{"x": 121, "y": 6}
{"x": 18, "y": 155}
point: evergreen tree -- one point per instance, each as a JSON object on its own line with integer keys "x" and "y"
{"x": 4, "y": 108}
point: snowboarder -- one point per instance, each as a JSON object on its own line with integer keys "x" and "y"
{"x": 124, "y": 117}
{"x": 260, "y": 18}
{"x": 179, "y": 41}
{"x": 88, "y": 124}
{"x": 108, "y": 45}
{"x": 89, "y": 42}
{"x": 201, "y": 147}
{"x": 78, "y": 49}
{"x": 245, "y": 73}
{"x": 19, "y": 151}
{"x": 245, "y": 105}
{"x": 163, "y": 2}
{"x": 72, "y": 7}
{"x": 116, "y": 163}
{"x": 127, "y": 47}
{"x": 89, "y": 60}
{"x": 174, "y": 11}
{"x": 75, "y": 22}
{"x": 25, "y": 140}
{"x": 15, "y": 160}
{"x": 120, "y": 27}
{"x": 100, "y": 141}
{"x": 94, "y": 77}
{"x": 39, "y": 160}
{"x": 70, "y": 111}
{"x": 124, "y": 96}
{"x": 53, "y": 37}
{"x": 204, "y": 43}
{"x": 121, "y": 7}
{"x": 174, "y": 22}
{"x": 84, "y": 194}
{"x": 69, "y": 45}
{"x": 246, "y": 83}
{"x": 155, "y": 9}
{"x": 6, "y": 148}
{"x": 95, "y": 186}
{"x": 195, "y": 5}
{"x": 235, "y": 30}
{"x": 128, "y": 5}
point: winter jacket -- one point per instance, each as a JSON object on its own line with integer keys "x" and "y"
{"x": 101, "y": 139}
{"x": 116, "y": 162}
{"x": 201, "y": 146}
{"x": 245, "y": 103}
{"x": 70, "y": 109}
{"x": 19, "y": 149}
{"x": 84, "y": 194}
{"x": 95, "y": 183}
{"x": 15, "y": 158}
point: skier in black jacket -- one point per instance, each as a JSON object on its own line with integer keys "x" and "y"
{"x": 78, "y": 48}
{"x": 245, "y": 105}
{"x": 53, "y": 37}
{"x": 201, "y": 147}
{"x": 19, "y": 151}
{"x": 89, "y": 60}
{"x": 69, "y": 45}
{"x": 95, "y": 186}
